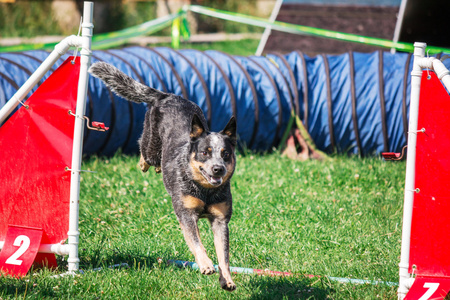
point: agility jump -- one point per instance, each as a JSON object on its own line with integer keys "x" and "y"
{"x": 42, "y": 212}
{"x": 424, "y": 250}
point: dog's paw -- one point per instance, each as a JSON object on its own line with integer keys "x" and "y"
{"x": 144, "y": 168}
{"x": 158, "y": 169}
{"x": 143, "y": 165}
{"x": 228, "y": 285}
{"x": 226, "y": 282}
{"x": 207, "y": 270}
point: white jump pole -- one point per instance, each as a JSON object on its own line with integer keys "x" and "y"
{"x": 268, "y": 30}
{"x": 85, "y": 61}
{"x": 59, "y": 249}
{"x": 416, "y": 76}
{"x": 399, "y": 24}
{"x": 60, "y": 49}
{"x": 420, "y": 62}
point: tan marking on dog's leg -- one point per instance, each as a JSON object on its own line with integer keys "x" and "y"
{"x": 143, "y": 164}
{"x": 192, "y": 238}
{"x": 188, "y": 240}
{"x": 158, "y": 169}
{"x": 221, "y": 243}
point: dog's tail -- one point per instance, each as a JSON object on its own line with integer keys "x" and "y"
{"x": 125, "y": 86}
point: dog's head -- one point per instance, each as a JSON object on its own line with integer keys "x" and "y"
{"x": 212, "y": 155}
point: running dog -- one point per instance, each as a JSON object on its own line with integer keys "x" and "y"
{"x": 196, "y": 164}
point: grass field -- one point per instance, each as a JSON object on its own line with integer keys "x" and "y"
{"x": 338, "y": 218}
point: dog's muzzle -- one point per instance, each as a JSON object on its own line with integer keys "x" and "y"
{"x": 216, "y": 178}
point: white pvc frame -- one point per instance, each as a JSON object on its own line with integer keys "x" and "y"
{"x": 84, "y": 42}
{"x": 268, "y": 30}
{"x": 399, "y": 24}
{"x": 420, "y": 63}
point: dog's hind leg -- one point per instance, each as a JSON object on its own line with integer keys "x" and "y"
{"x": 150, "y": 144}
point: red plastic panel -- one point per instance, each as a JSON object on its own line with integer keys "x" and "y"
{"x": 430, "y": 230}
{"x": 428, "y": 288}
{"x": 19, "y": 251}
{"x": 35, "y": 149}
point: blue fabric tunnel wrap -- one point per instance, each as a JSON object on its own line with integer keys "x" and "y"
{"x": 354, "y": 103}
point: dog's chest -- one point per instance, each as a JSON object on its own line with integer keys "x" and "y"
{"x": 204, "y": 210}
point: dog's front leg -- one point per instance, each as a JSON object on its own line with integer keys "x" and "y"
{"x": 187, "y": 209}
{"x": 191, "y": 234}
{"x": 221, "y": 242}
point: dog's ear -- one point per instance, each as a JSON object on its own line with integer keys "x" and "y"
{"x": 230, "y": 130}
{"x": 197, "y": 127}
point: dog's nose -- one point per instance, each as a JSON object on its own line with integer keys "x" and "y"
{"x": 218, "y": 170}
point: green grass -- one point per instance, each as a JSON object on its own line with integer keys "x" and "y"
{"x": 339, "y": 218}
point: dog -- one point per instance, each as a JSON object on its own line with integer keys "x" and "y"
{"x": 196, "y": 164}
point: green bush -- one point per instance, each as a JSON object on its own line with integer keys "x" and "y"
{"x": 210, "y": 24}
{"x": 34, "y": 18}
{"x": 27, "y": 19}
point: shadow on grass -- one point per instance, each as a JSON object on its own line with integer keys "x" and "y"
{"x": 252, "y": 286}
{"x": 11, "y": 287}
{"x": 95, "y": 260}
{"x": 256, "y": 286}
{"x": 292, "y": 287}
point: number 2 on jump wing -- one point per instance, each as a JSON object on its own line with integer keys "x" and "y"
{"x": 23, "y": 242}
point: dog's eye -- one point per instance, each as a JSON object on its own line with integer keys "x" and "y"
{"x": 204, "y": 153}
{"x": 225, "y": 155}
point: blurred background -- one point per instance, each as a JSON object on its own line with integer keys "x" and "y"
{"x": 61, "y": 17}
{"x": 422, "y": 20}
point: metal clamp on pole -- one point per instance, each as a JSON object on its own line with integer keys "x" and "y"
{"x": 394, "y": 156}
{"x": 97, "y": 126}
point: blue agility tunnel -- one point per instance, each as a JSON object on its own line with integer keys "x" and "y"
{"x": 354, "y": 103}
